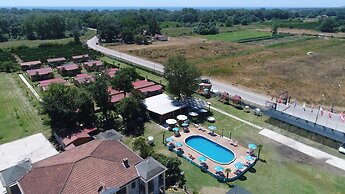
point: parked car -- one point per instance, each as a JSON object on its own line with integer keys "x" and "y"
{"x": 342, "y": 149}
{"x": 257, "y": 112}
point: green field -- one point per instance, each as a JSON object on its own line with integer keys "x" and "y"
{"x": 283, "y": 170}
{"x": 292, "y": 24}
{"x": 180, "y": 31}
{"x": 236, "y": 36}
{"x": 18, "y": 117}
{"x": 35, "y": 43}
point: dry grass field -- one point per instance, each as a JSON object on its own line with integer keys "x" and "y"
{"x": 269, "y": 68}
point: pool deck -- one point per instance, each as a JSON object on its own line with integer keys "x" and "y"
{"x": 239, "y": 151}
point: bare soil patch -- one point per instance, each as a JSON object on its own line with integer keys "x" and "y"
{"x": 305, "y": 32}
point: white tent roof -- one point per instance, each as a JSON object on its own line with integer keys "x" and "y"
{"x": 35, "y": 147}
{"x": 162, "y": 104}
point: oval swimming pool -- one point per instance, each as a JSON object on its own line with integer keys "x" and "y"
{"x": 210, "y": 149}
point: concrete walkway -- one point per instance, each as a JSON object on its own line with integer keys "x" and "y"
{"x": 308, "y": 150}
{"x": 30, "y": 88}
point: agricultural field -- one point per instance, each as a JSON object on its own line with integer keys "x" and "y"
{"x": 237, "y": 36}
{"x": 292, "y": 24}
{"x": 18, "y": 117}
{"x": 35, "y": 43}
{"x": 269, "y": 66}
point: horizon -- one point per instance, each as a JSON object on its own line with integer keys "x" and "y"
{"x": 156, "y": 4}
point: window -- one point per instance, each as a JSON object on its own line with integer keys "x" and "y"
{"x": 123, "y": 190}
{"x": 133, "y": 185}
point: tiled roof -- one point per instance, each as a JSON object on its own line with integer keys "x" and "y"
{"x": 151, "y": 88}
{"x": 52, "y": 60}
{"x": 118, "y": 97}
{"x": 51, "y": 81}
{"x": 30, "y": 63}
{"x": 149, "y": 168}
{"x": 84, "y": 78}
{"x": 82, "y": 169}
{"x": 112, "y": 71}
{"x": 112, "y": 91}
{"x": 69, "y": 67}
{"x": 142, "y": 84}
{"x": 42, "y": 71}
{"x": 92, "y": 63}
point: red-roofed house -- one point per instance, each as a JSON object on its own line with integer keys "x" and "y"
{"x": 148, "y": 88}
{"x": 56, "y": 61}
{"x": 93, "y": 66}
{"x": 83, "y": 79}
{"x": 111, "y": 72}
{"x": 78, "y": 138}
{"x": 116, "y": 96}
{"x": 44, "y": 85}
{"x": 97, "y": 167}
{"x": 40, "y": 74}
{"x": 69, "y": 69}
{"x": 80, "y": 58}
{"x": 31, "y": 65}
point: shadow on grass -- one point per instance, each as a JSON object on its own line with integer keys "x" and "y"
{"x": 243, "y": 178}
{"x": 252, "y": 170}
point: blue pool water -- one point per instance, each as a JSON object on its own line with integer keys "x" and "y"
{"x": 210, "y": 149}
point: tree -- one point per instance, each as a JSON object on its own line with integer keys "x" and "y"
{"x": 206, "y": 28}
{"x": 68, "y": 106}
{"x": 133, "y": 111}
{"x": 328, "y": 25}
{"x": 174, "y": 173}
{"x": 140, "y": 144}
{"x": 8, "y": 66}
{"x": 229, "y": 22}
{"x": 260, "y": 148}
{"x": 227, "y": 171}
{"x": 274, "y": 29}
{"x": 99, "y": 91}
{"x": 154, "y": 27}
{"x": 123, "y": 79}
{"x": 183, "y": 78}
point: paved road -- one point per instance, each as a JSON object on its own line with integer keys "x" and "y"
{"x": 247, "y": 95}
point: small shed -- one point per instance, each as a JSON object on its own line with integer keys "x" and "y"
{"x": 31, "y": 65}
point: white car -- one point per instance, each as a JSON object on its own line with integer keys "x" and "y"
{"x": 342, "y": 149}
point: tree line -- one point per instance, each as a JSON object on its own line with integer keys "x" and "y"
{"x": 133, "y": 25}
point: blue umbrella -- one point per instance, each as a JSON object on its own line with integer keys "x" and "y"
{"x": 202, "y": 159}
{"x": 239, "y": 165}
{"x": 219, "y": 169}
{"x": 252, "y": 146}
{"x": 249, "y": 158}
{"x": 178, "y": 144}
{"x": 176, "y": 129}
{"x": 212, "y": 128}
{"x": 169, "y": 139}
{"x": 184, "y": 124}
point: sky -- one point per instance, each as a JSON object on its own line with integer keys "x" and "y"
{"x": 172, "y": 3}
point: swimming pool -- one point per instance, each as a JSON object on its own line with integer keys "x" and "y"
{"x": 210, "y": 149}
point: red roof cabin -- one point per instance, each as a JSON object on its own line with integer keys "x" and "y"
{"x": 69, "y": 69}
{"x": 31, "y": 65}
{"x": 79, "y": 137}
{"x": 40, "y": 74}
{"x": 81, "y": 79}
{"x": 116, "y": 96}
{"x": 80, "y": 58}
{"x": 93, "y": 66}
{"x": 148, "y": 88}
{"x": 111, "y": 72}
{"x": 56, "y": 61}
{"x": 44, "y": 85}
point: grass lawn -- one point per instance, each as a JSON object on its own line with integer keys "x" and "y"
{"x": 18, "y": 117}
{"x": 35, "y": 43}
{"x": 283, "y": 171}
{"x": 178, "y": 31}
{"x": 237, "y": 35}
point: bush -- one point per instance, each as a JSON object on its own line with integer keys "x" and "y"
{"x": 206, "y": 28}
{"x": 48, "y": 45}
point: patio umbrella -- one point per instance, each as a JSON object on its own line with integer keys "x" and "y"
{"x": 203, "y": 110}
{"x": 171, "y": 121}
{"x": 178, "y": 144}
{"x": 176, "y": 129}
{"x": 212, "y": 128}
{"x": 252, "y": 146}
{"x": 181, "y": 117}
{"x": 202, "y": 159}
{"x": 193, "y": 114}
{"x": 184, "y": 124}
{"x": 249, "y": 158}
{"x": 169, "y": 139}
{"x": 239, "y": 165}
{"x": 219, "y": 169}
